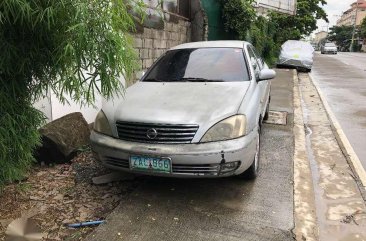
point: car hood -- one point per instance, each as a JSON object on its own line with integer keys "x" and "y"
{"x": 178, "y": 103}
{"x": 330, "y": 48}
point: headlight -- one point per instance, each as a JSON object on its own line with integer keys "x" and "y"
{"x": 101, "y": 124}
{"x": 227, "y": 129}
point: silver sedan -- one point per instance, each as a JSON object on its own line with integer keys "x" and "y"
{"x": 197, "y": 112}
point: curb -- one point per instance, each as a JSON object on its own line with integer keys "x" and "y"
{"x": 305, "y": 219}
{"x": 342, "y": 139}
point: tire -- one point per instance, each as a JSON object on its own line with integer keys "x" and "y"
{"x": 252, "y": 172}
{"x": 267, "y": 110}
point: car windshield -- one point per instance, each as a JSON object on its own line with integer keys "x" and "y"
{"x": 200, "y": 65}
{"x": 330, "y": 45}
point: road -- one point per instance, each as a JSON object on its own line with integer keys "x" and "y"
{"x": 217, "y": 209}
{"x": 342, "y": 78}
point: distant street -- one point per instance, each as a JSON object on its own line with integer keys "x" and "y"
{"x": 342, "y": 79}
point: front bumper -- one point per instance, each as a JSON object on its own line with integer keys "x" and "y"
{"x": 330, "y": 51}
{"x": 188, "y": 160}
{"x": 295, "y": 63}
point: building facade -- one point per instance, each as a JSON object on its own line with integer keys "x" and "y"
{"x": 319, "y": 36}
{"x": 283, "y": 6}
{"x": 349, "y": 17}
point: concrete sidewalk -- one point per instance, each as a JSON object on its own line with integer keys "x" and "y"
{"x": 337, "y": 210}
{"x": 219, "y": 209}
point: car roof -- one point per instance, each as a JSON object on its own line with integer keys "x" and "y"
{"x": 297, "y": 41}
{"x": 212, "y": 44}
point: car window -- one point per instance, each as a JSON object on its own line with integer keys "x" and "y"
{"x": 330, "y": 45}
{"x": 258, "y": 56}
{"x": 200, "y": 64}
{"x": 254, "y": 61}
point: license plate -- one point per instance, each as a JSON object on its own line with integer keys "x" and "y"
{"x": 150, "y": 164}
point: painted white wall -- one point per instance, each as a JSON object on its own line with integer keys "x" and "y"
{"x": 54, "y": 109}
{"x": 44, "y": 105}
{"x": 89, "y": 112}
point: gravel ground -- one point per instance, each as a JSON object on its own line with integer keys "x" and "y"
{"x": 62, "y": 194}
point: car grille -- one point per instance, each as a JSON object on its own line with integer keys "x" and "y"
{"x": 116, "y": 162}
{"x": 165, "y": 133}
{"x": 196, "y": 169}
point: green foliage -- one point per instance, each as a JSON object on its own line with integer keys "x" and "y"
{"x": 363, "y": 29}
{"x": 342, "y": 35}
{"x": 238, "y": 16}
{"x": 18, "y": 132}
{"x": 23, "y": 187}
{"x": 301, "y": 24}
{"x": 261, "y": 35}
{"x": 267, "y": 34}
{"x": 74, "y": 47}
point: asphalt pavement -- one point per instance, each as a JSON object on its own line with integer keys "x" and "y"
{"x": 342, "y": 79}
{"x": 217, "y": 209}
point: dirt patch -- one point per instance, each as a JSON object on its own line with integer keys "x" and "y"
{"x": 62, "y": 194}
{"x": 361, "y": 113}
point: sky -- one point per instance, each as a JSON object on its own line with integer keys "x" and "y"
{"x": 334, "y": 9}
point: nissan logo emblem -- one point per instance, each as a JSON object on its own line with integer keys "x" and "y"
{"x": 151, "y": 134}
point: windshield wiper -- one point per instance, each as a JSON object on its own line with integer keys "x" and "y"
{"x": 153, "y": 80}
{"x": 201, "y": 80}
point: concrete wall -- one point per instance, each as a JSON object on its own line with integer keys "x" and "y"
{"x": 152, "y": 43}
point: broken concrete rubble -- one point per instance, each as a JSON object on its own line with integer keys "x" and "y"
{"x": 62, "y": 138}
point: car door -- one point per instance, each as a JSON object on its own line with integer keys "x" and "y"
{"x": 263, "y": 86}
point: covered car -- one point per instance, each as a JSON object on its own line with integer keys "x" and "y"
{"x": 296, "y": 54}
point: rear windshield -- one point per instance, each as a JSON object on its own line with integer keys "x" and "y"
{"x": 200, "y": 65}
{"x": 329, "y": 45}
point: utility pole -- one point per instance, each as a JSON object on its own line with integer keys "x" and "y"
{"x": 354, "y": 28}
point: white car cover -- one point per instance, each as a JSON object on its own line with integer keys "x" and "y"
{"x": 296, "y": 53}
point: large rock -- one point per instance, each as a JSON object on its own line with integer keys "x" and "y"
{"x": 62, "y": 137}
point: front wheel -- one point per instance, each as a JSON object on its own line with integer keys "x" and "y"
{"x": 253, "y": 170}
{"x": 267, "y": 112}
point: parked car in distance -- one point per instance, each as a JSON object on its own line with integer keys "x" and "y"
{"x": 197, "y": 112}
{"x": 329, "y": 48}
{"x": 296, "y": 54}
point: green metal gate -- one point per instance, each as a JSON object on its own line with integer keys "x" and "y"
{"x": 216, "y": 29}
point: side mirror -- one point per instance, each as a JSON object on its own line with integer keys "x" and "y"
{"x": 140, "y": 74}
{"x": 267, "y": 74}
